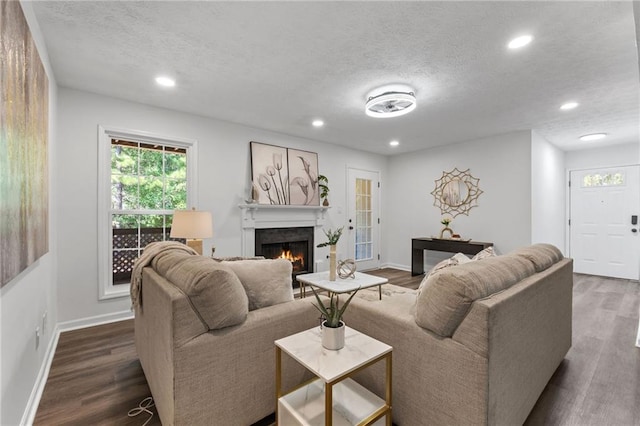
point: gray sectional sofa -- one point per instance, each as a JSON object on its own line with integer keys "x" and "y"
{"x": 476, "y": 345}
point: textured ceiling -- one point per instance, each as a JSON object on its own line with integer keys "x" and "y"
{"x": 278, "y": 65}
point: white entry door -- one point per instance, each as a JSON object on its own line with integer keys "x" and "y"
{"x": 604, "y": 205}
{"x": 363, "y": 218}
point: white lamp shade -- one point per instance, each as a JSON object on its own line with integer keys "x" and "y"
{"x": 192, "y": 224}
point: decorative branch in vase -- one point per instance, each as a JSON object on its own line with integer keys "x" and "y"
{"x": 332, "y": 239}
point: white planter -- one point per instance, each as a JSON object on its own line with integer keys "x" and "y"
{"x": 333, "y": 338}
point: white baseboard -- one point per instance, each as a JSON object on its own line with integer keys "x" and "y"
{"x": 396, "y": 266}
{"x": 92, "y": 321}
{"x": 41, "y": 380}
{"x": 638, "y": 338}
{"x": 29, "y": 414}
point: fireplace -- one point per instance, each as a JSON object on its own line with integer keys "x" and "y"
{"x": 294, "y": 244}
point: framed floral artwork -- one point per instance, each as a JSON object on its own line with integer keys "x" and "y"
{"x": 283, "y": 176}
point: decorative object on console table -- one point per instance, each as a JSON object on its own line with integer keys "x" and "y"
{"x": 446, "y": 222}
{"x": 332, "y": 240}
{"x": 332, "y": 325}
{"x": 194, "y": 225}
{"x": 456, "y": 192}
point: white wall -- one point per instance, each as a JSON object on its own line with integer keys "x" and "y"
{"x": 548, "y": 192}
{"x": 26, "y": 298}
{"x": 223, "y": 174}
{"x": 503, "y": 216}
{"x": 616, "y": 155}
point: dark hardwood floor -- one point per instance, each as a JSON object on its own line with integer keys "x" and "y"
{"x": 96, "y": 377}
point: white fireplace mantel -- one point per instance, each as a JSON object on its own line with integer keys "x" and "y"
{"x": 258, "y": 216}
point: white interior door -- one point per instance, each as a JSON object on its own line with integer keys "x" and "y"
{"x": 604, "y": 205}
{"x": 363, "y": 218}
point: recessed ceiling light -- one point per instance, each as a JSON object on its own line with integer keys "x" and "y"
{"x": 390, "y": 104}
{"x": 593, "y": 137}
{"x": 394, "y": 143}
{"x": 519, "y": 42}
{"x": 569, "y": 105}
{"x": 165, "y": 81}
{"x": 317, "y": 123}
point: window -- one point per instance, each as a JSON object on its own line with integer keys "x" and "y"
{"x": 364, "y": 235}
{"x": 606, "y": 179}
{"x": 146, "y": 179}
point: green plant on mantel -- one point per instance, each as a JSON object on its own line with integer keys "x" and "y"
{"x": 332, "y": 314}
{"x": 323, "y": 184}
{"x": 332, "y": 237}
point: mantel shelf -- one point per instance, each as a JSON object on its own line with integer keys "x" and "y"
{"x": 282, "y": 206}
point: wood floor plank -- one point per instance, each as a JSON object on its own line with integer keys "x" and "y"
{"x": 96, "y": 377}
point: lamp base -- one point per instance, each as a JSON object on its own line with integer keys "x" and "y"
{"x": 195, "y": 244}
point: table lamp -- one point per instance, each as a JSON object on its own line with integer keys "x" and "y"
{"x": 194, "y": 225}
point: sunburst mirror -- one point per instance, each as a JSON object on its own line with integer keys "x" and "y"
{"x": 456, "y": 192}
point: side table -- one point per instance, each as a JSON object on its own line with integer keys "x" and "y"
{"x": 333, "y": 397}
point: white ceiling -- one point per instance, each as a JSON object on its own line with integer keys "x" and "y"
{"x": 278, "y": 65}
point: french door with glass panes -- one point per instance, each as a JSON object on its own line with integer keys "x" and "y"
{"x": 363, "y": 229}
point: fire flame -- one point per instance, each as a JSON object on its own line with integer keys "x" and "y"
{"x": 286, "y": 254}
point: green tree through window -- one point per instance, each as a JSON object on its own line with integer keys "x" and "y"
{"x": 148, "y": 182}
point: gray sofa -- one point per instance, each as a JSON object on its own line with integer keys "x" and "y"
{"x": 478, "y": 343}
{"x": 207, "y": 358}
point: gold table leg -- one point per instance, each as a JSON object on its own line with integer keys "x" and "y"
{"x": 328, "y": 404}
{"x": 278, "y": 378}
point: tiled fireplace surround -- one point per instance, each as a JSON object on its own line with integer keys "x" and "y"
{"x": 256, "y": 216}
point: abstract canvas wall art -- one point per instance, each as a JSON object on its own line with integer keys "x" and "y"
{"x": 24, "y": 192}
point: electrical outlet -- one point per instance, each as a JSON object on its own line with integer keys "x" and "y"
{"x": 37, "y": 337}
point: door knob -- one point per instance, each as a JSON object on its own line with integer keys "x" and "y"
{"x": 634, "y": 230}
{"x": 351, "y": 228}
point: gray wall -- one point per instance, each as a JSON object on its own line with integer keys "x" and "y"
{"x": 503, "y": 216}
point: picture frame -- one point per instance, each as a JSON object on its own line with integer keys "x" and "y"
{"x": 283, "y": 176}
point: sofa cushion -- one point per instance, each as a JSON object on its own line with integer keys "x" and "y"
{"x": 267, "y": 282}
{"x": 447, "y": 296}
{"x": 214, "y": 291}
{"x": 456, "y": 259}
{"x": 484, "y": 254}
{"x": 541, "y": 255}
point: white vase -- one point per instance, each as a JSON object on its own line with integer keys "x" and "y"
{"x": 333, "y": 338}
{"x": 332, "y": 262}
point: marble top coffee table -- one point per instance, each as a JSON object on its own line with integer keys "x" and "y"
{"x": 339, "y": 286}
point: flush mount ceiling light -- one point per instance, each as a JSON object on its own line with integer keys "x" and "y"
{"x": 568, "y": 106}
{"x": 165, "y": 81}
{"x": 593, "y": 137}
{"x": 390, "y": 104}
{"x": 519, "y": 42}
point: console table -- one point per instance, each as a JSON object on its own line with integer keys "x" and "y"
{"x": 418, "y": 245}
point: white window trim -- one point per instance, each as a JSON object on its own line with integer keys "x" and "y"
{"x": 106, "y": 289}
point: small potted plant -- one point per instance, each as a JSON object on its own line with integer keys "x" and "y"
{"x": 332, "y": 238}
{"x": 323, "y": 183}
{"x": 332, "y": 324}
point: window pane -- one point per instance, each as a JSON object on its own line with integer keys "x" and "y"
{"x": 123, "y": 261}
{"x": 176, "y": 194}
{"x": 124, "y": 160}
{"x": 124, "y": 192}
{"x": 150, "y": 160}
{"x": 125, "y": 231}
{"x": 175, "y": 165}
{"x": 151, "y": 193}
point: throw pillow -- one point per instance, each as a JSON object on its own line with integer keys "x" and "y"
{"x": 456, "y": 259}
{"x": 214, "y": 290}
{"x": 488, "y": 252}
{"x": 267, "y": 282}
